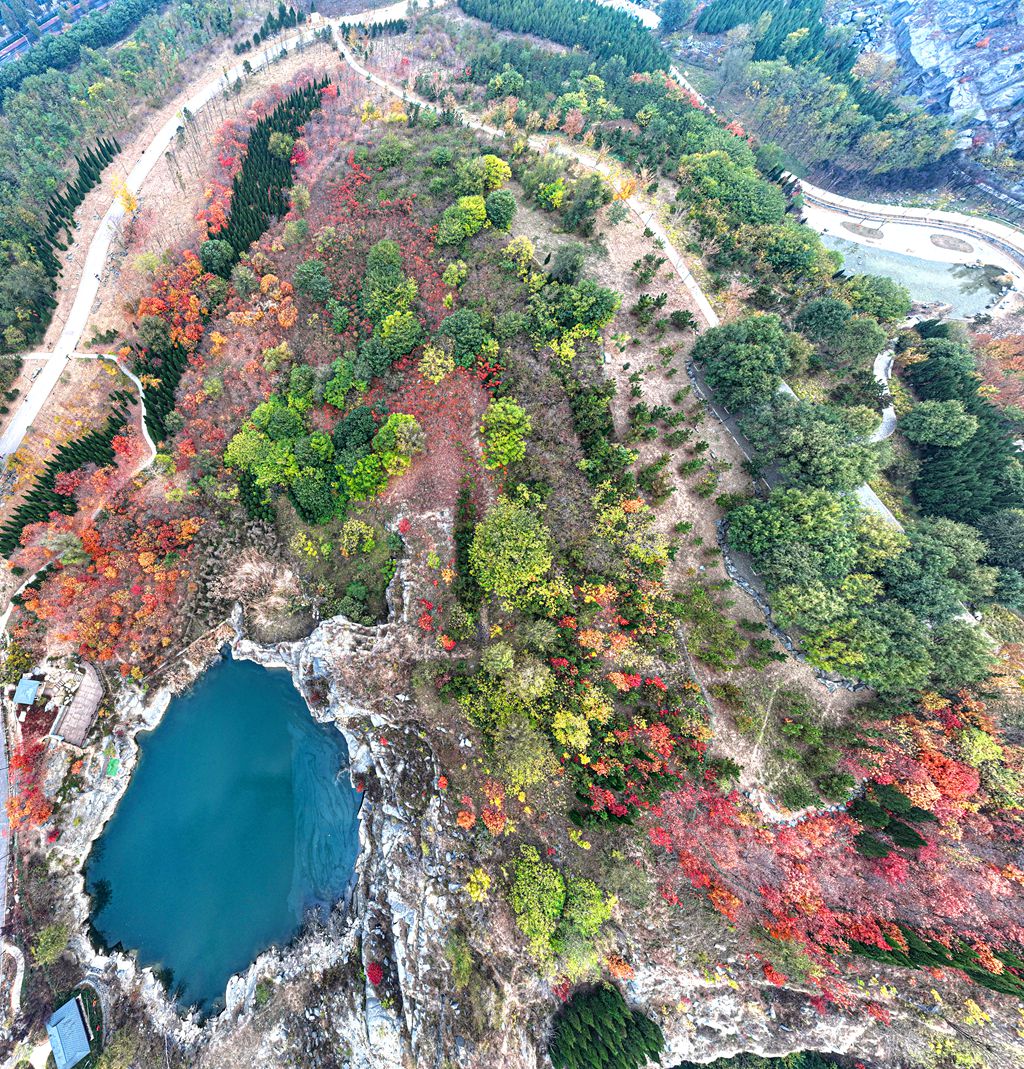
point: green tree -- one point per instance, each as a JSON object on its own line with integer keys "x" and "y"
{"x": 511, "y": 549}
{"x": 739, "y": 190}
{"x": 400, "y": 332}
{"x": 311, "y": 281}
{"x": 281, "y": 145}
{"x": 120, "y": 1053}
{"x": 462, "y": 220}
{"x": 1004, "y": 533}
{"x": 496, "y": 172}
{"x": 537, "y": 895}
{"x": 337, "y": 386}
{"x": 524, "y": 754}
{"x": 505, "y": 428}
{"x": 878, "y": 296}
{"x": 939, "y": 569}
{"x": 814, "y": 444}
{"x": 217, "y": 257}
{"x": 798, "y": 535}
{"x": 391, "y": 151}
{"x": 962, "y": 653}
{"x": 466, "y": 330}
{"x": 674, "y": 14}
{"x": 861, "y": 341}
{"x": 824, "y": 319}
{"x": 17, "y": 662}
{"x": 942, "y": 423}
{"x": 744, "y": 361}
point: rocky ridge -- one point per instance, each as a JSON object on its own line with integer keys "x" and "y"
{"x": 964, "y": 59}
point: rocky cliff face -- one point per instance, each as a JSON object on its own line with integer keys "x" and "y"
{"x": 965, "y": 59}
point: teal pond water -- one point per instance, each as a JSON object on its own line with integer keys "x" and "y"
{"x": 968, "y": 289}
{"x": 239, "y": 818}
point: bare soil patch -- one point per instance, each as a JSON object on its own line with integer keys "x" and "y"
{"x": 872, "y": 233}
{"x": 947, "y": 241}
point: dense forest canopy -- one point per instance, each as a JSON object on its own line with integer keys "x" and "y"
{"x": 800, "y": 77}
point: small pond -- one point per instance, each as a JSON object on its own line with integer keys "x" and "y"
{"x": 966, "y": 288}
{"x": 239, "y": 818}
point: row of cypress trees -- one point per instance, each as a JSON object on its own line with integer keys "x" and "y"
{"x": 605, "y": 31}
{"x": 60, "y": 211}
{"x": 259, "y": 189}
{"x": 93, "y": 448}
{"x": 922, "y": 953}
{"x": 160, "y": 399}
{"x": 384, "y": 29}
{"x": 258, "y": 198}
{"x": 273, "y": 24}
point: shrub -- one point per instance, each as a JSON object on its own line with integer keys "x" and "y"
{"x": 391, "y": 151}
{"x": 50, "y": 943}
{"x": 436, "y": 364}
{"x": 460, "y": 960}
{"x": 462, "y": 220}
{"x": 568, "y": 263}
{"x": 500, "y": 207}
{"x": 455, "y": 274}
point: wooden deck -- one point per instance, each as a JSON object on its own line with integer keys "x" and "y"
{"x": 78, "y": 719}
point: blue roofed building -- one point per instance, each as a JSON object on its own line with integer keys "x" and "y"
{"x": 69, "y": 1038}
{"x": 26, "y": 691}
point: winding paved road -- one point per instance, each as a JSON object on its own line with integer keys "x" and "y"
{"x": 904, "y": 229}
{"x": 96, "y": 257}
